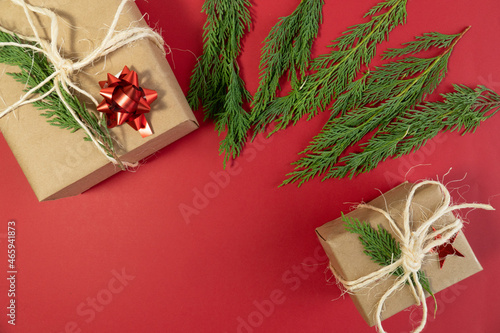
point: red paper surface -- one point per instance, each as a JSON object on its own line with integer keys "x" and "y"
{"x": 242, "y": 256}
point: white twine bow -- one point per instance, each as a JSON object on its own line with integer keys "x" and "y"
{"x": 65, "y": 68}
{"x": 415, "y": 245}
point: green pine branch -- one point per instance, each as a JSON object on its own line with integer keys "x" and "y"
{"x": 336, "y": 70}
{"x": 34, "y": 68}
{"x": 462, "y": 110}
{"x": 287, "y": 48}
{"x": 379, "y": 244}
{"x": 400, "y": 85}
{"x": 215, "y": 81}
{"x": 381, "y": 247}
{"x": 235, "y": 119}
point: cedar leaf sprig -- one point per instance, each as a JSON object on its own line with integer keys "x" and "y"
{"x": 462, "y": 110}
{"x": 35, "y": 69}
{"x": 381, "y": 247}
{"x": 333, "y": 72}
{"x": 216, "y": 80}
{"x": 400, "y": 84}
{"x": 287, "y": 48}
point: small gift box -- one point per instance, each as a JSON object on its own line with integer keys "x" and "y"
{"x": 56, "y": 162}
{"x": 417, "y": 216}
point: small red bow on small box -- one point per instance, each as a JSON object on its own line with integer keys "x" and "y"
{"x": 126, "y": 102}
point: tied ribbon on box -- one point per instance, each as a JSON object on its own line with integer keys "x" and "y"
{"x": 414, "y": 245}
{"x": 126, "y": 102}
{"x": 60, "y": 81}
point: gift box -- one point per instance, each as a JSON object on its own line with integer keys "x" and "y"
{"x": 56, "y": 162}
{"x": 348, "y": 260}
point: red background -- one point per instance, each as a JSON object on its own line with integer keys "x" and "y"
{"x": 249, "y": 243}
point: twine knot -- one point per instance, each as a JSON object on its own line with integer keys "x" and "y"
{"x": 415, "y": 245}
{"x": 65, "y": 68}
{"x": 412, "y": 256}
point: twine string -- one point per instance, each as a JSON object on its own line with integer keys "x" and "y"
{"x": 65, "y": 68}
{"x": 415, "y": 245}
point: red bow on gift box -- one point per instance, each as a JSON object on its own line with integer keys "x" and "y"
{"x": 126, "y": 102}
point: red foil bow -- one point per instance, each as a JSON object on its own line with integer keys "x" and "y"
{"x": 126, "y": 102}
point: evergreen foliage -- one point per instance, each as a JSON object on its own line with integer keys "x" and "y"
{"x": 216, "y": 80}
{"x": 381, "y": 247}
{"x": 376, "y": 113}
{"x": 287, "y": 48}
{"x": 334, "y": 71}
{"x": 34, "y": 68}
{"x": 383, "y": 101}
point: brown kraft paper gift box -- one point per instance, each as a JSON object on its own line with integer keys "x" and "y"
{"x": 346, "y": 255}
{"x": 58, "y": 163}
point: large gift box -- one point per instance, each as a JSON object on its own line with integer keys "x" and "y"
{"x": 348, "y": 260}
{"x": 56, "y": 162}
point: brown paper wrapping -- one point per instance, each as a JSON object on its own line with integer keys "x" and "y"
{"x": 345, "y": 251}
{"x": 58, "y": 163}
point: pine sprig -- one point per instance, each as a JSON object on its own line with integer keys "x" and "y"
{"x": 236, "y": 122}
{"x": 287, "y": 48}
{"x": 421, "y": 43}
{"x": 462, "y": 110}
{"x": 336, "y": 70}
{"x": 215, "y": 81}
{"x": 381, "y": 247}
{"x": 379, "y": 244}
{"x": 400, "y": 84}
{"x": 34, "y": 68}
